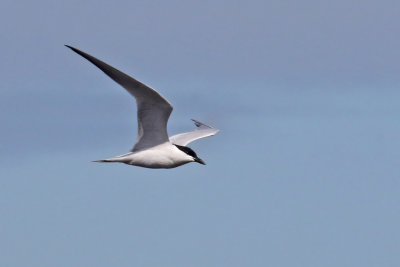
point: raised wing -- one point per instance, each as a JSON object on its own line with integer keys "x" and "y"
{"x": 201, "y": 131}
{"x": 153, "y": 110}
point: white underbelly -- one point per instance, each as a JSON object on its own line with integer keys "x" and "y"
{"x": 159, "y": 157}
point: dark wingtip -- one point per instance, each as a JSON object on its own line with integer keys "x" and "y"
{"x": 200, "y": 124}
{"x": 72, "y": 48}
{"x": 101, "y": 160}
{"x": 87, "y": 56}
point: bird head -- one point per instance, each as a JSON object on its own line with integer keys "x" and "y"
{"x": 191, "y": 153}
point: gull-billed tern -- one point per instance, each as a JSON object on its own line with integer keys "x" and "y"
{"x": 153, "y": 149}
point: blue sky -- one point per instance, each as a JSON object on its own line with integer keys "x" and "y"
{"x": 303, "y": 173}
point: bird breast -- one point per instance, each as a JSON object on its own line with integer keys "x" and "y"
{"x": 162, "y": 156}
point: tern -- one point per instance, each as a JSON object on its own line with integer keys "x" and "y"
{"x": 153, "y": 149}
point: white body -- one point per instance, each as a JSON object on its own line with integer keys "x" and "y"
{"x": 153, "y": 149}
{"x": 163, "y": 156}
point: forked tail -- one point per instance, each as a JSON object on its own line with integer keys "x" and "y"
{"x": 122, "y": 158}
{"x": 102, "y": 160}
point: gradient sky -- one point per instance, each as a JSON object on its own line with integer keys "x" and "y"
{"x": 305, "y": 170}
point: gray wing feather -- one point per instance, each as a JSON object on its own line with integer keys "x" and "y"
{"x": 153, "y": 109}
{"x": 202, "y": 130}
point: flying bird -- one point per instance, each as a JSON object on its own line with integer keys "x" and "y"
{"x": 153, "y": 149}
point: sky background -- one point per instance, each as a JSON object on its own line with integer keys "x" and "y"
{"x": 305, "y": 170}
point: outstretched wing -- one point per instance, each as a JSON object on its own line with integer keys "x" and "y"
{"x": 153, "y": 110}
{"x": 201, "y": 131}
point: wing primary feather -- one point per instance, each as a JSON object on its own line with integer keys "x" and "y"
{"x": 202, "y": 130}
{"x": 136, "y": 88}
{"x": 153, "y": 109}
{"x": 200, "y": 124}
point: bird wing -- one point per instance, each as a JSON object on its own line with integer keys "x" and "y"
{"x": 202, "y": 130}
{"x": 153, "y": 110}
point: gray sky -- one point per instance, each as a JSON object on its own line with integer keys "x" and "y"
{"x": 305, "y": 170}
